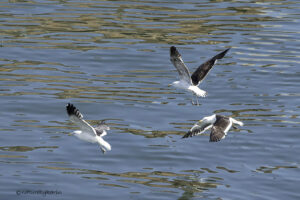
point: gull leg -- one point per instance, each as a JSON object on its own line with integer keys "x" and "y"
{"x": 197, "y": 101}
{"x": 192, "y": 99}
{"x": 234, "y": 127}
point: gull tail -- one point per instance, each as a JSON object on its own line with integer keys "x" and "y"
{"x": 105, "y": 146}
{"x": 197, "y": 91}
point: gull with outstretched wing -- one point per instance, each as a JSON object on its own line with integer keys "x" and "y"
{"x": 219, "y": 125}
{"x": 87, "y": 132}
{"x": 186, "y": 80}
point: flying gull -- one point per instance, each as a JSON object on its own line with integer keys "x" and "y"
{"x": 87, "y": 132}
{"x": 187, "y": 81}
{"x": 218, "y": 124}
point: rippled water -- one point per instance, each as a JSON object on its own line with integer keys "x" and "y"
{"x": 111, "y": 59}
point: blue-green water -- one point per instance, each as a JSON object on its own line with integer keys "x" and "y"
{"x": 111, "y": 59}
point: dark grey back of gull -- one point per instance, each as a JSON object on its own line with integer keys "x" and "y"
{"x": 204, "y": 68}
{"x": 101, "y": 127}
{"x": 219, "y": 127}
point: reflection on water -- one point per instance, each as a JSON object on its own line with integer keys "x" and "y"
{"x": 150, "y": 133}
{"x": 271, "y": 169}
{"x": 112, "y": 59}
{"x": 189, "y": 183}
{"x": 25, "y": 148}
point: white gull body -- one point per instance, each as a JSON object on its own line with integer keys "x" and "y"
{"x": 194, "y": 89}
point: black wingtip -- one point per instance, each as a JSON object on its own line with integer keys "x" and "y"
{"x": 222, "y": 54}
{"x": 174, "y": 52}
{"x": 227, "y": 50}
{"x": 188, "y": 134}
{"x": 72, "y": 110}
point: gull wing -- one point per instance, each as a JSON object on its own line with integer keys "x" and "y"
{"x": 77, "y": 118}
{"x": 184, "y": 73}
{"x": 204, "y": 68}
{"x": 234, "y": 121}
{"x": 198, "y": 129}
{"x": 216, "y": 134}
{"x": 220, "y": 128}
